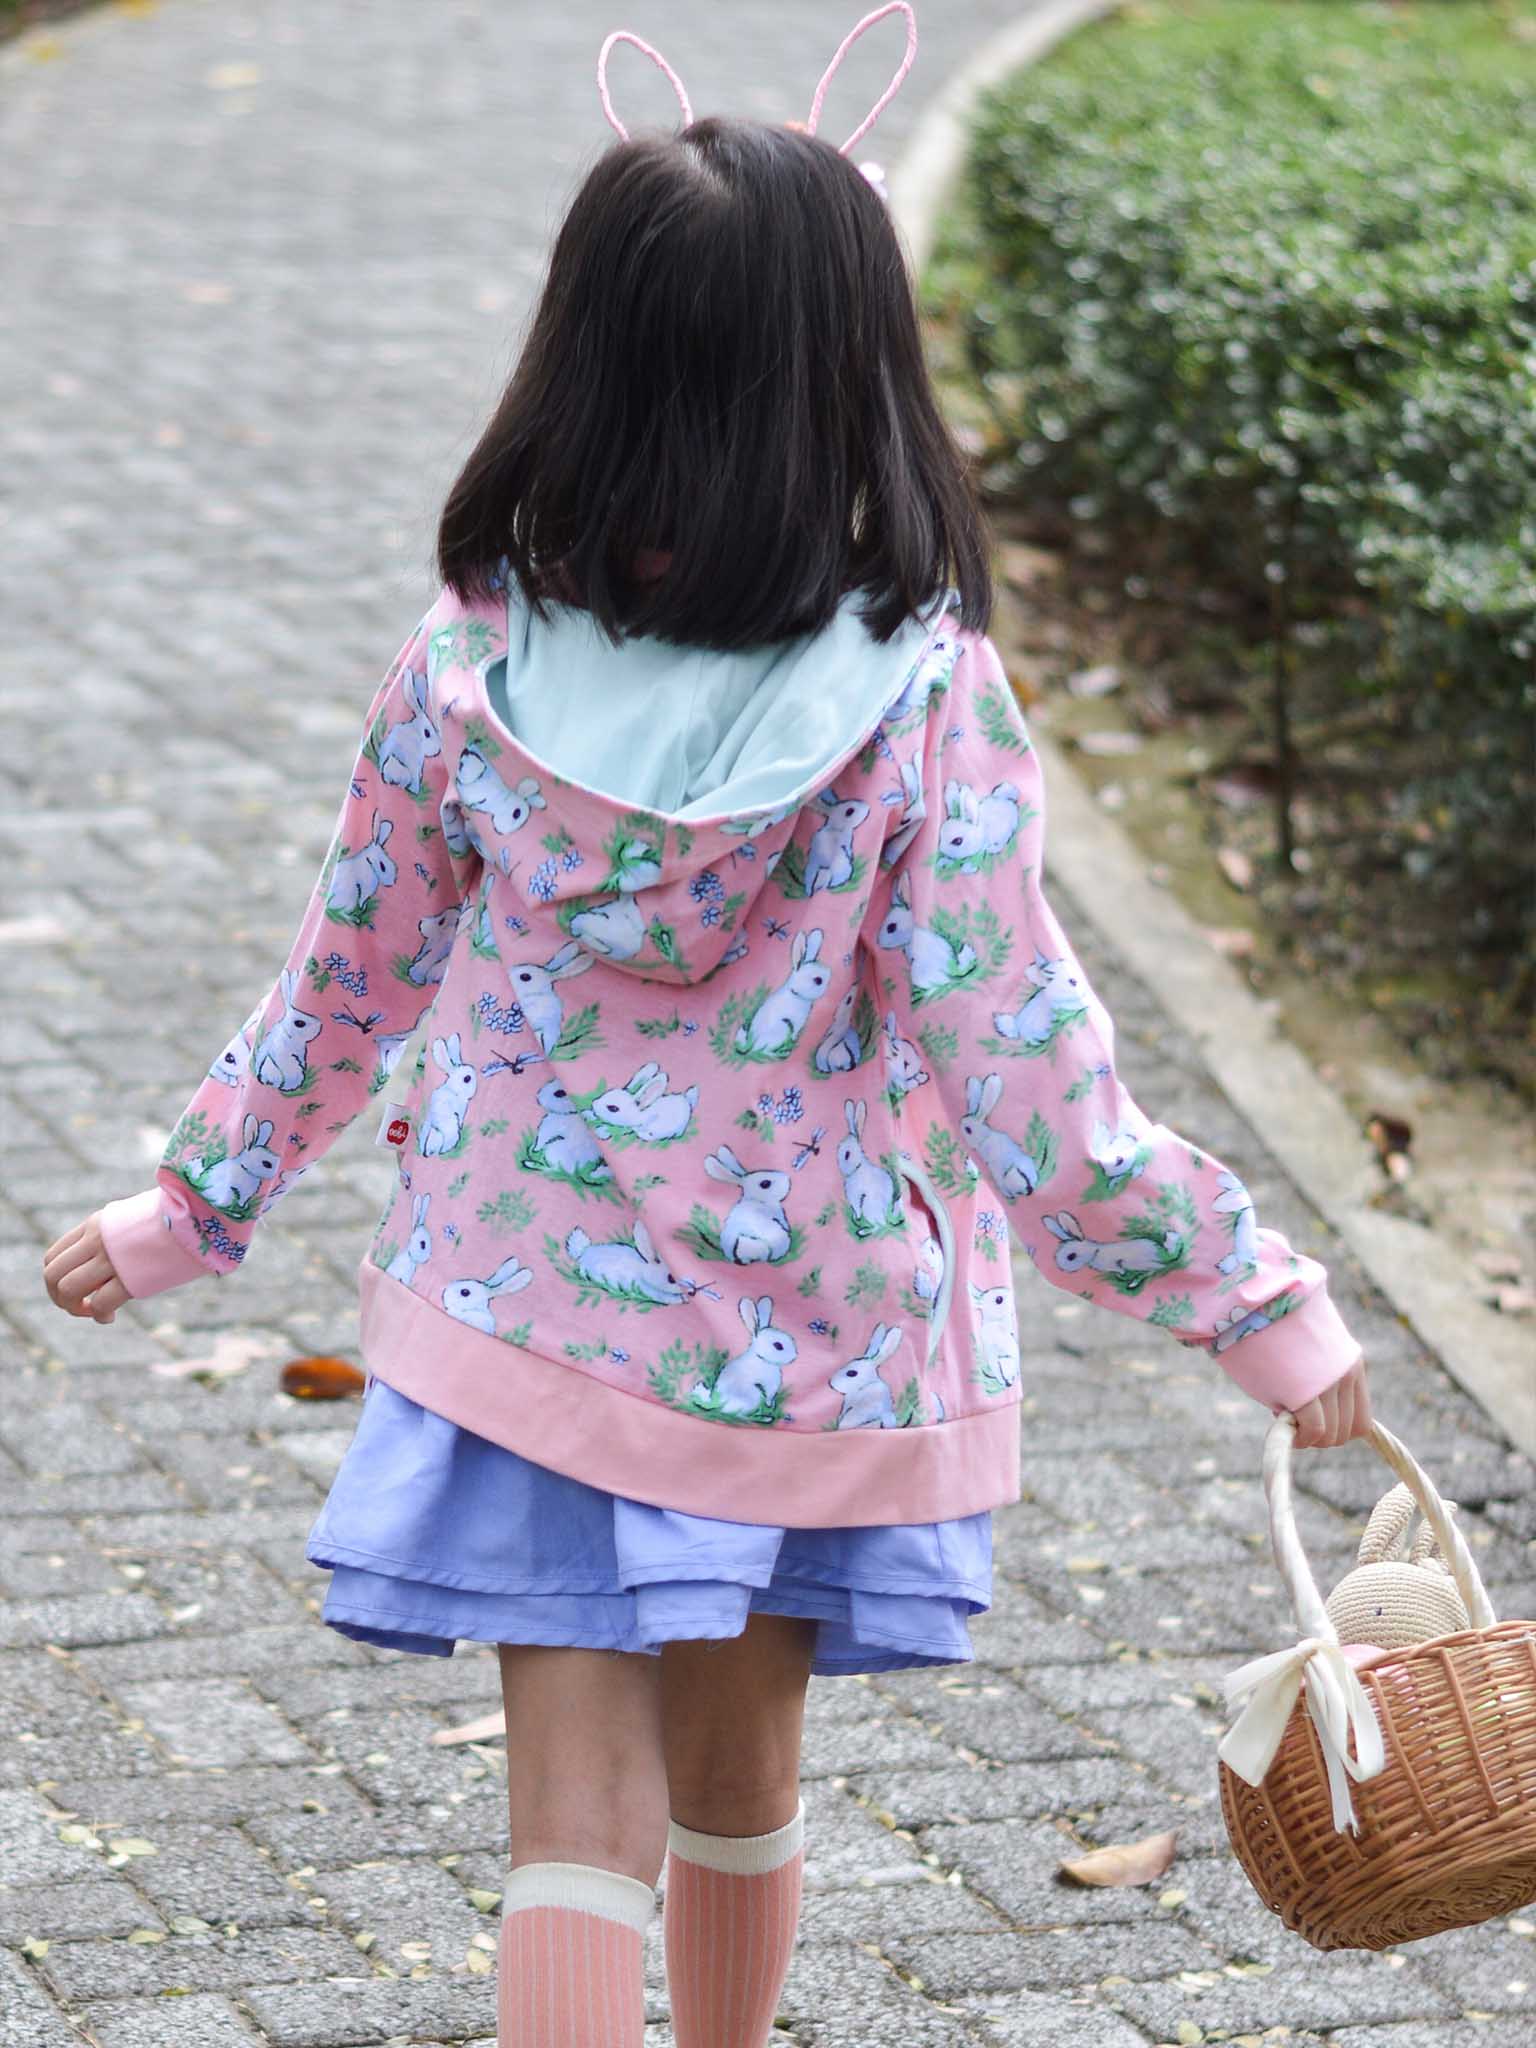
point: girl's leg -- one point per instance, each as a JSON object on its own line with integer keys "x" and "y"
{"x": 587, "y": 1794}
{"x": 732, "y": 1718}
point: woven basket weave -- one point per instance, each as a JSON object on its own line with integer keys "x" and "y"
{"x": 1447, "y": 1831}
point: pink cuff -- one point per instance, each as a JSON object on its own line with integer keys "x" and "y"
{"x": 1292, "y": 1360}
{"x": 145, "y": 1256}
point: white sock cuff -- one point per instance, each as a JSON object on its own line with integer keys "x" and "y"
{"x": 583, "y": 1887}
{"x": 747, "y": 1855}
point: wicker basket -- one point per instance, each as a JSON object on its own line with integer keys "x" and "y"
{"x": 1444, "y": 1827}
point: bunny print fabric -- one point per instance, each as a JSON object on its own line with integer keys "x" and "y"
{"x": 708, "y": 1164}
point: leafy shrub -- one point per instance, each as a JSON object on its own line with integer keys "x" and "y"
{"x": 1262, "y": 274}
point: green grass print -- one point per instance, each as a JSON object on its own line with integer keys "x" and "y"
{"x": 790, "y": 874}
{"x": 702, "y": 1368}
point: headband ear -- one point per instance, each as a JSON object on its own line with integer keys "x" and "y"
{"x": 623, "y": 35}
{"x": 894, "y": 7}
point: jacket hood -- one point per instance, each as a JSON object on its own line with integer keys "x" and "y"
{"x": 687, "y": 767}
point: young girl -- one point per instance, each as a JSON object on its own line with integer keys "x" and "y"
{"x": 697, "y": 829}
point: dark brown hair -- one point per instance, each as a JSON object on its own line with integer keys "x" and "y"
{"x": 724, "y": 367}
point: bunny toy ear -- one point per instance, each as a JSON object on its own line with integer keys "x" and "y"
{"x": 623, "y": 35}
{"x": 894, "y": 7}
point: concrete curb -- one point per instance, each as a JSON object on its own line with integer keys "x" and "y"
{"x": 1260, "y": 1071}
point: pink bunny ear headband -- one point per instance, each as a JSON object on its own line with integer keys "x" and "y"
{"x": 623, "y": 35}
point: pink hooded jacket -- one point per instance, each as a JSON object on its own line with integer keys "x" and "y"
{"x": 707, "y": 1166}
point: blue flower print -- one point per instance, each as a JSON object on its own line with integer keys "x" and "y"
{"x": 514, "y": 923}
{"x": 541, "y": 883}
{"x": 353, "y": 980}
{"x": 571, "y": 860}
{"x": 819, "y": 1326}
{"x": 498, "y": 1017}
{"x": 706, "y": 887}
{"x": 619, "y": 1357}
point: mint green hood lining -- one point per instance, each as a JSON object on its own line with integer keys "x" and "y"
{"x": 689, "y": 733}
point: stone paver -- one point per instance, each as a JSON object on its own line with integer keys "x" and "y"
{"x": 265, "y": 265}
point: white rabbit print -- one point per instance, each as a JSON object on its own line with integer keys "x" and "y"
{"x": 442, "y": 1126}
{"x": 756, "y": 1227}
{"x": 829, "y": 859}
{"x": 1011, "y": 1169}
{"x": 563, "y": 1144}
{"x": 1059, "y": 1002}
{"x": 614, "y": 930}
{"x": 1118, "y": 1156}
{"x": 233, "y": 1183}
{"x": 458, "y": 833}
{"x": 904, "y": 1069}
{"x": 417, "y": 1249}
{"x": 977, "y": 829}
{"x": 996, "y": 1337}
{"x": 870, "y": 1192}
{"x": 914, "y": 810}
{"x": 234, "y": 1062}
{"x": 359, "y": 877}
{"x": 644, "y": 1110}
{"x": 533, "y": 984}
{"x": 281, "y": 1060}
{"x": 473, "y": 1301}
{"x": 438, "y": 932}
{"x": 868, "y": 1402}
{"x": 1234, "y": 1201}
{"x": 750, "y": 1385}
{"x": 930, "y": 673}
{"x": 627, "y": 1270}
{"x": 841, "y": 1048}
{"x": 936, "y": 964}
{"x": 480, "y": 788}
{"x": 407, "y": 747}
{"x": 1237, "y": 1323}
{"x": 1129, "y": 1262}
{"x": 775, "y": 1026}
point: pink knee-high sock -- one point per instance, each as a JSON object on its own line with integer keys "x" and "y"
{"x": 729, "y": 1918}
{"x": 571, "y": 1963}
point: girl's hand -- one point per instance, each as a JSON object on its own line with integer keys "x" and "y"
{"x": 1341, "y": 1412}
{"x": 79, "y": 1276}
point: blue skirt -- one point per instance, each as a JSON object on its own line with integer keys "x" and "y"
{"x": 434, "y": 1535}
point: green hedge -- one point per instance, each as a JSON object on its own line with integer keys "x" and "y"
{"x": 1263, "y": 276}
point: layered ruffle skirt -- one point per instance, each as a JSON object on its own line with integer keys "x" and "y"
{"x": 433, "y": 1536}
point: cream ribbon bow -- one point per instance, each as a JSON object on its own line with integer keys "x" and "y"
{"x": 1267, "y": 1690}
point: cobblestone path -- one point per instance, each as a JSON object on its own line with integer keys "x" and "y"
{"x": 264, "y": 263}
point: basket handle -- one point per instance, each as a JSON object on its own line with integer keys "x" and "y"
{"x": 1306, "y": 1601}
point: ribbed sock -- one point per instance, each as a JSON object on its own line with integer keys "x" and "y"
{"x": 571, "y": 1963}
{"x": 729, "y": 1919}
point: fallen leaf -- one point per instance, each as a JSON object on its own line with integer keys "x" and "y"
{"x": 230, "y": 77}
{"x": 1125, "y": 1862}
{"x": 321, "y": 1379}
{"x": 1109, "y": 744}
{"x": 1023, "y": 565}
{"x": 1235, "y": 944}
{"x": 1243, "y": 788}
{"x": 477, "y": 1962}
{"x": 1392, "y": 1139}
{"x": 1236, "y": 866}
{"x": 1102, "y": 681}
{"x": 1498, "y": 1265}
{"x": 231, "y": 1353}
{"x": 472, "y": 1731}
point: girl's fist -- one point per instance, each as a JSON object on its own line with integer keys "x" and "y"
{"x": 79, "y": 1276}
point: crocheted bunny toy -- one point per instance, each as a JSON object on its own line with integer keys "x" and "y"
{"x": 1399, "y": 1593}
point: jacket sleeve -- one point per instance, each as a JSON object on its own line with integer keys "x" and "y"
{"x": 1017, "y": 1062}
{"x": 324, "y": 1038}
